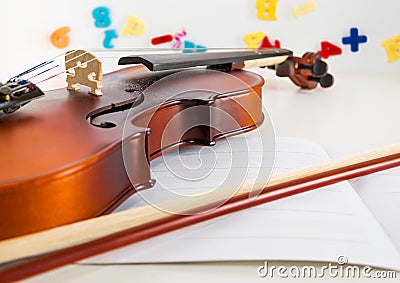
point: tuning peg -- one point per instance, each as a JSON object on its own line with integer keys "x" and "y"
{"x": 325, "y": 81}
{"x": 285, "y": 69}
{"x": 319, "y": 68}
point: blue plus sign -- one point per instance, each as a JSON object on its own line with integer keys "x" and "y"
{"x": 354, "y": 39}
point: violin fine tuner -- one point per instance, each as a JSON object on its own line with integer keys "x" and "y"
{"x": 16, "y": 93}
{"x": 82, "y": 68}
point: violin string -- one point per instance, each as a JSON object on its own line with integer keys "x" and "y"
{"x": 65, "y": 71}
{"x": 88, "y": 61}
{"x": 52, "y": 60}
{"x": 41, "y": 65}
{"x": 45, "y": 71}
{"x": 32, "y": 69}
{"x": 113, "y": 50}
{"x": 48, "y": 62}
{"x": 169, "y": 49}
{"x": 53, "y": 76}
{"x": 73, "y": 58}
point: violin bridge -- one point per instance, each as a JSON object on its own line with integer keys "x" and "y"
{"x": 83, "y": 69}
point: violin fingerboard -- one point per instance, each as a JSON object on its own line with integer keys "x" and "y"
{"x": 162, "y": 62}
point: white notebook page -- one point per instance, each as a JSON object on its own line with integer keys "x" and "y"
{"x": 319, "y": 225}
{"x": 381, "y": 194}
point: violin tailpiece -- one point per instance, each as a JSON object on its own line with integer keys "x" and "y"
{"x": 83, "y": 69}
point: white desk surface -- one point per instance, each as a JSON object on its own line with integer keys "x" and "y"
{"x": 359, "y": 111}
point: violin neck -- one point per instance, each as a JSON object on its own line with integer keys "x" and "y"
{"x": 265, "y": 62}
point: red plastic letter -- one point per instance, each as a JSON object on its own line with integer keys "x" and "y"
{"x": 162, "y": 39}
{"x": 267, "y": 44}
{"x": 329, "y": 49}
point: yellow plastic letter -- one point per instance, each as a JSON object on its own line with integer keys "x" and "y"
{"x": 392, "y": 46}
{"x": 134, "y": 26}
{"x": 253, "y": 39}
{"x": 266, "y": 9}
{"x": 299, "y": 11}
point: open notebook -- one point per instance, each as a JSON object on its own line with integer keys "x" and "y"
{"x": 358, "y": 220}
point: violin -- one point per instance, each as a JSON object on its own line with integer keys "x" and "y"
{"x": 63, "y": 150}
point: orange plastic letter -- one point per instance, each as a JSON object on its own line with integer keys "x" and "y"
{"x": 59, "y": 37}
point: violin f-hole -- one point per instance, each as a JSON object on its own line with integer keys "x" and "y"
{"x": 97, "y": 117}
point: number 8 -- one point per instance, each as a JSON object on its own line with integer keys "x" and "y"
{"x": 102, "y": 17}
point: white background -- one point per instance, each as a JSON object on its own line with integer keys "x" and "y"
{"x": 360, "y": 110}
{"x": 26, "y": 27}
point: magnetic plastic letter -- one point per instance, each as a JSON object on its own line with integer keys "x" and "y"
{"x": 59, "y": 37}
{"x": 266, "y": 9}
{"x": 109, "y": 36}
{"x": 134, "y": 26}
{"x": 253, "y": 39}
{"x": 392, "y": 47}
{"x": 102, "y": 17}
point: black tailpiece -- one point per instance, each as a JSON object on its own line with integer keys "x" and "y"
{"x": 17, "y": 93}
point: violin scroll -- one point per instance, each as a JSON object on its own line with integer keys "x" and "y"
{"x": 306, "y": 72}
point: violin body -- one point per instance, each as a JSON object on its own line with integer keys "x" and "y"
{"x": 62, "y": 156}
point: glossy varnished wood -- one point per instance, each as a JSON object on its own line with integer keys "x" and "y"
{"x": 57, "y": 168}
